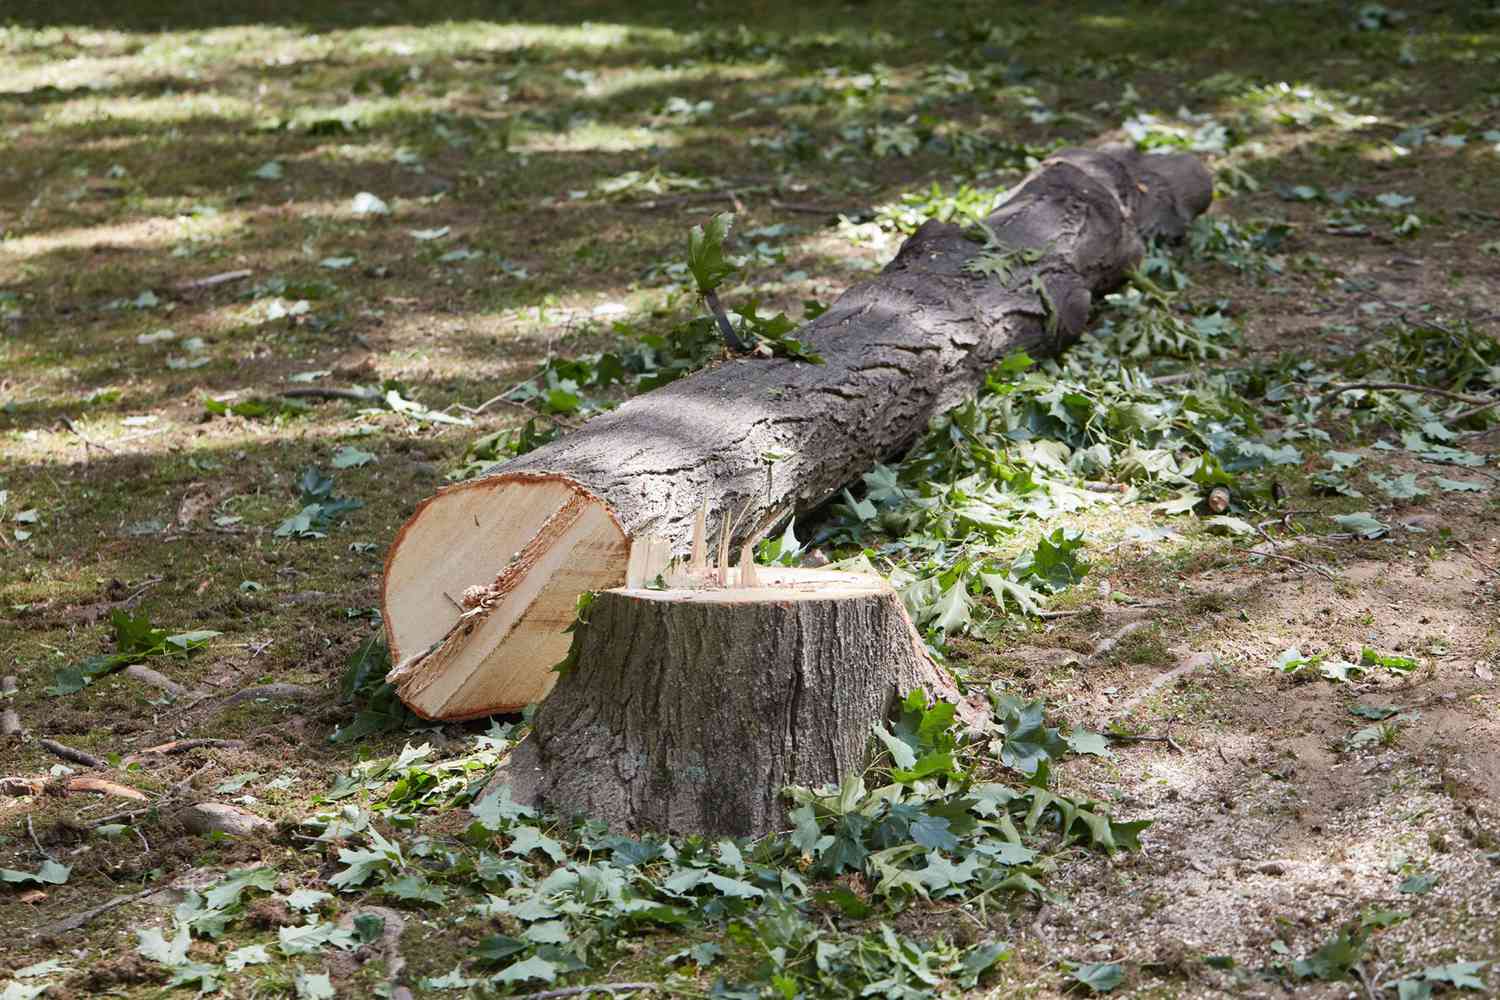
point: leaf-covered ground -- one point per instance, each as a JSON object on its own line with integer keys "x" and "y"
{"x": 437, "y": 207}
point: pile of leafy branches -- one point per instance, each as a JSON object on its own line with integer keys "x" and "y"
{"x": 942, "y": 815}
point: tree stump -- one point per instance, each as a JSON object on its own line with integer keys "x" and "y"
{"x": 689, "y": 710}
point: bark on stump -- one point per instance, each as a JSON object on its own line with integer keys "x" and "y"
{"x": 482, "y": 579}
{"x": 688, "y": 711}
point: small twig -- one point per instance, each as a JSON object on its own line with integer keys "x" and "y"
{"x": 1410, "y": 387}
{"x": 798, "y": 206}
{"x": 1167, "y": 739}
{"x": 321, "y": 392}
{"x": 1108, "y": 645}
{"x": 88, "y": 442}
{"x": 73, "y": 923}
{"x": 1298, "y": 562}
{"x": 1476, "y": 411}
{"x": 286, "y": 692}
{"x": 121, "y": 817}
{"x": 726, "y": 329}
{"x": 183, "y": 746}
{"x": 40, "y": 849}
{"x": 68, "y": 753}
{"x": 212, "y": 280}
{"x": 1472, "y": 555}
{"x": 1098, "y": 487}
{"x": 573, "y": 991}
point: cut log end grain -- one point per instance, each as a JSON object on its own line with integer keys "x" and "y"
{"x": 484, "y": 578}
{"x": 688, "y": 710}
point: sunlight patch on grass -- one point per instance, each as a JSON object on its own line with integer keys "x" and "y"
{"x": 139, "y": 233}
{"x": 594, "y": 136}
{"x": 164, "y": 109}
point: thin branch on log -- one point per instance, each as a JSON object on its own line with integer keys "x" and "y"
{"x": 68, "y": 753}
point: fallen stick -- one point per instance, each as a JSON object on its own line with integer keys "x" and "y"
{"x": 157, "y": 680}
{"x": 1193, "y": 662}
{"x": 318, "y": 392}
{"x": 101, "y": 786}
{"x": 17, "y": 787}
{"x": 1109, "y": 644}
{"x": 283, "y": 692}
{"x": 78, "y": 920}
{"x": 516, "y": 547}
{"x": 68, "y": 753}
{"x": 183, "y": 746}
{"x": 212, "y": 280}
{"x": 573, "y": 991}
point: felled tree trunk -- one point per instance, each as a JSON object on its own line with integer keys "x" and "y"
{"x": 689, "y": 710}
{"x": 483, "y": 578}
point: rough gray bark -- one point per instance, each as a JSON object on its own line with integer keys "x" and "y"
{"x": 898, "y": 349}
{"x": 691, "y": 716}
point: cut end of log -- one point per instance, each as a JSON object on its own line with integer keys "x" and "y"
{"x": 531, "y": 544}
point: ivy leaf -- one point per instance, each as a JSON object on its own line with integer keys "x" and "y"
{"x": 902, "y": 755}
{"x": 313, "y": 986}
{"x": 534, "y": 967}
{"x": 932, "y": 832}
{"x": 350, "y": 457}
{"x": 1026, "y": 600}
{"x": 415, "y": 888}
{"x": 1461, "y": 974}
{"x": 496, "y": 811}
{"x": 50, "y": 873}
{"x": 847, "y": 852}
{"x": 1390, "y": 661}
{"x": 1055, "y": 563}
{"x": 1099, "y": 977}
{"x": 1401, "y": 488}
{"x": 1084, "y": 741}
{"x": 1459, "y": 485}
{"x": 706, "y": 253}
{"x": 226, "y": 893}
{"x": 1028, "y": 741}
{"x": 250, "y": 954}
{"x": 1363, "y": 524}
{"x": 953, "y": 610}
{"x": 498, "y": 947}
{"x": 526, "y": 839}
{"x": 153, "y": 945}
{"x": 1418, "y": 885}
{"x": 980, "y": 959}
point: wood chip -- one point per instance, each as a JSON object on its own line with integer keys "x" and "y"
{"x": 104, "y": 787}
